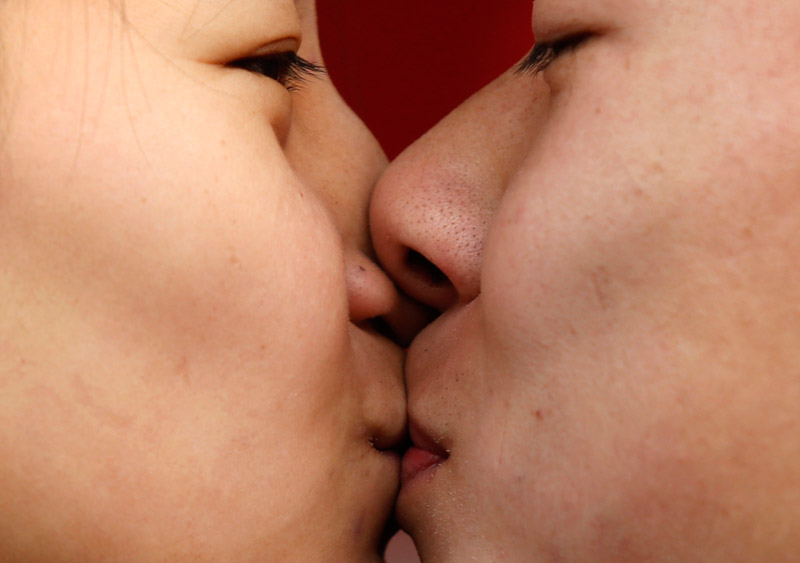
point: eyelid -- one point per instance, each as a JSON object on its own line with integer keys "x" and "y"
{"x": 287, "y": 68}
{"x": 545, "y": 53}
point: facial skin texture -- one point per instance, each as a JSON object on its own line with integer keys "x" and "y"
{"x": 187, "y": 368}
{"x": 615, "y": 370}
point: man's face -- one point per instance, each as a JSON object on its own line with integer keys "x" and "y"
{"x": 613, "y": 246}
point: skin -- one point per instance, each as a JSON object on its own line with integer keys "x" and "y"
{"x": 613, "y": 247}
{"x": 188, "y": 368}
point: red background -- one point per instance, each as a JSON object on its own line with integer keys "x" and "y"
{"x": 402, "y": 65}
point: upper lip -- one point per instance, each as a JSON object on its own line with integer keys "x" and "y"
{"x": 418, "y": 362}
{"x": 425, "y": 440}
{"x": 389, "y": 433}
{"x": 384, "y": 414}
{"x": 396, "y": 442}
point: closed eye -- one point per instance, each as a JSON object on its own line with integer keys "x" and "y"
{"x": 288, "y": 68}
{"x": 544, "y": 54}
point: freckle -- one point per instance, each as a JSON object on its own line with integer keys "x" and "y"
{"x": 599, "y": 280}
{"x": 183, "y": 369}
{"x": 359, "y": 526}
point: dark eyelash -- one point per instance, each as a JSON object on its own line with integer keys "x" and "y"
{"x": 543, "y": 54}
{"x": 289, "y": 69}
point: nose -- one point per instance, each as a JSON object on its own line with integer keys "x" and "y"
{"x": 332, "y": 150}
{"x": 432, "y": 209}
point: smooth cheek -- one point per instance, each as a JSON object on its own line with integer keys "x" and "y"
{"x": 178, "y": 337}
{"x": 624, "y": 302}
{"x": 565, "y": 417}
{"x": 192, "y": 367}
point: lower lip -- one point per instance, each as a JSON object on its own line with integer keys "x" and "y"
{"x": 417, "y": 461}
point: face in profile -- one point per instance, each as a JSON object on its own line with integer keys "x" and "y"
{"x": 611, "y": 238}
{"x": 187, "y": 365}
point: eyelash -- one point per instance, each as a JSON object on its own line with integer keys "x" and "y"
{"x": 288, "y": 69}
{"x": 544, "y": 54}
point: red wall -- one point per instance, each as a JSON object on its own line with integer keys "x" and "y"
{"x": 404, "y": 64}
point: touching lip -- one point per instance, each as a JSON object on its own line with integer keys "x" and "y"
{"x": 415, "y": 461}
{"x": 425, "y": 454}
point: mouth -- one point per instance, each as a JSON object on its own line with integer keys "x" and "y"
{"x": 423, "y": 457}
{"x": 389, "y": 452}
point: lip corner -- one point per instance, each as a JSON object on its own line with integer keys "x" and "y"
{"x": 424, "y": 455}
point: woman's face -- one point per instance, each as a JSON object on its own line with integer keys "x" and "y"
{"x": 613, "y": 245}
{"x": 188, "y": 368}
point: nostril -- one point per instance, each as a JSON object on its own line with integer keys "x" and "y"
{"x": 425, "y": 269}
{"x": 424, "y": 281}
{"x": 402, "y": 325}
{"x": 382, "y": 327}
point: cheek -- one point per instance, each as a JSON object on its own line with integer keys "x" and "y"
{"x": 206, "y": 289}
{"x": 223, "y": 231}
{"x": 632, "y": 305}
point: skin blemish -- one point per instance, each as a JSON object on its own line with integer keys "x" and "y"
{"x": 183, "y": 370}
{"x": 358, "y": 526}
{"x": 600, "y": 282}
{"x": 87, "y": 397}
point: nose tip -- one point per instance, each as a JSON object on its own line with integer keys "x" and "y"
{"x": 374, "y": 300}
{"x": 430, "y": 239}
{"x": 370, "y": 293}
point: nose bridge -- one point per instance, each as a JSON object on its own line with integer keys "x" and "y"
{"x": 337, "y": 157}
{"x": 432, "y": 209}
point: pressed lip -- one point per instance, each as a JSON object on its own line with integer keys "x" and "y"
{"x": 416, "y": 461}
{"x": 391, "y": 472}
{"x": 424, "y": 454}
